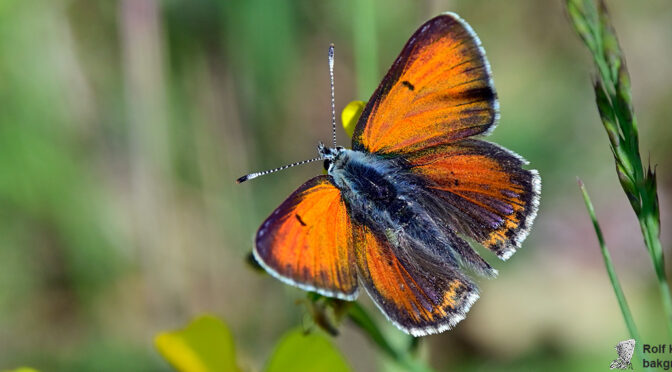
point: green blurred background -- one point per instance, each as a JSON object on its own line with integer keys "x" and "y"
{"x": 123, "y": 125}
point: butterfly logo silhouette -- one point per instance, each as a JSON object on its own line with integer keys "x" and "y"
{"x": 391, "y": 215}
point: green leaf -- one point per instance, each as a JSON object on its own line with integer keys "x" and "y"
{"x": 21, "y": 369}
{"x": 205, "y": 345}
{"x": 299, "y": 352}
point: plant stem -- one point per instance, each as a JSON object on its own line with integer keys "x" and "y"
{"x": 650, "y": 230}
{"x": 611, "y": 271}
{"x": 366, "y": 323}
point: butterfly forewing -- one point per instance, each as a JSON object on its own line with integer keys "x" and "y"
{"x": 307, "y": 241}
{"x": 438, "y": 90}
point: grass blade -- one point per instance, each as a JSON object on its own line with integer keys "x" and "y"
{"x": 615, "y": 284}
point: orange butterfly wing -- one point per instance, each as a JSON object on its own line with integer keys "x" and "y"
{"x": 437, "y": 91}
{"x": 490, "y": 197}
{"x": 307, "y": 241}
{"x": 419, "y": 297}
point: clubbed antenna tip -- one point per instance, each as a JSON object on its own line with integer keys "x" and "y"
{"x": 243, "y": 178}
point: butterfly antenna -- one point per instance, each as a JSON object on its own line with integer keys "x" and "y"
{"x": 257, "y": 174}
{"x": 333, "y": 96}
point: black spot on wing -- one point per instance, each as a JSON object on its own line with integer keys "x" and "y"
{"x": 300, "y": 220}
{"x": 408, "y": 85}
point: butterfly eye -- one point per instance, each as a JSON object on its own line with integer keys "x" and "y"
{"x": 327, "y": 163}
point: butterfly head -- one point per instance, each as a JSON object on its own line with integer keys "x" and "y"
{"x": 329, "y": 154}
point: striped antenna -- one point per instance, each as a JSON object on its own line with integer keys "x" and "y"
{"x": 333, "y": 96}
{"x": 257, "y": 174}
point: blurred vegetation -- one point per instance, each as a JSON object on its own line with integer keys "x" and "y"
{"x": 205, "y": 344}
{"x": 123, "y": 125}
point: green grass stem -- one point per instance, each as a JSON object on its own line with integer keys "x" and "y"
{"x": 611, "y": 271}
{"x": 365, "y": 322}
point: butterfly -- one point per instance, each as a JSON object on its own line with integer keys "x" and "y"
{"x": 394, "y": 214}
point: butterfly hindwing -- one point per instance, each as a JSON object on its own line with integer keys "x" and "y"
{"x": 307, "y": 241}
{"x": 489, "y": 196}
{"x": 438, "y": 90}
{"x": 419, "y": 297}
